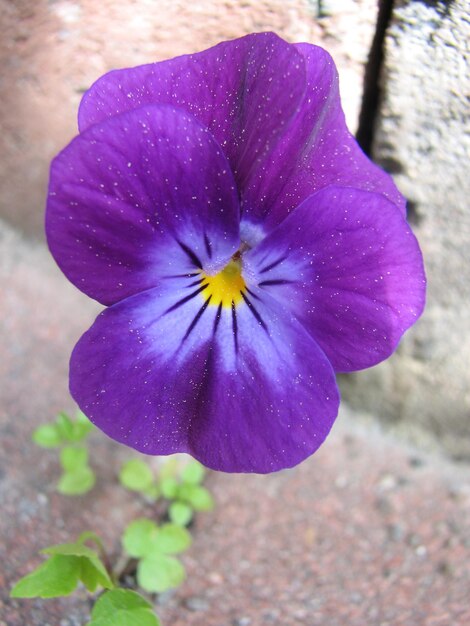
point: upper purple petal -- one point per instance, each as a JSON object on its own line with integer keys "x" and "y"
{"x": 274, "y": 108}
{"x": 346, "y": 263}
{"x": 315, "y": 151}
{"x": 137, "y": 195}
{"x": 244, "y": 91}
{"x": 243, "y": 390}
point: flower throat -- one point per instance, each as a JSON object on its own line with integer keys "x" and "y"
{"x": 225, "y": 287}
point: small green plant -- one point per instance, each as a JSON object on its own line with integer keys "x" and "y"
{"x": 149, "y": 547}
{"x": 181, "y": 487}
{"x": 63, "y": 431}
{"x": 67, "y": 565}
{"x": 72, "y": 563}
{"x": 67, "y": 434}
{"x": 186, "y": 493}
{"x": 154, "y": 546}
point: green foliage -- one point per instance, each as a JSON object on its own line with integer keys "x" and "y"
{"x": 143, "y": 537}
{"x": 47, "y": 436}
{"x": 169, "y": 487}
{"x": 153, "y": 492}
{"x": 180, "y": 513}
{"x": 196, "y": 496}
{"x": 136, "y": 475}
{"x": 193, "y": 473}
{"x": 123, "y": 607}
{"x": 78, "y": 477}
{"x": 171, "y": 539}
{"x": 138, "y": 537}
{"x": 68, "y": 564}
{"x": 73, "y": 458}
{"x": 157, "y": 571}
{"x": 58, "y": 576}
{"x": 183, "y": 488}
{"x": 92, "y": 572}
{"x": 64, "y": 430}
{"x": 186, "y": 492}
{"x": 77, "y": 483}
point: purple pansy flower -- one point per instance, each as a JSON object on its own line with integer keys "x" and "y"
{"x": 244, "y": 245}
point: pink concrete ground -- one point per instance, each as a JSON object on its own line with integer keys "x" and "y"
{"x": 369, "y": 532}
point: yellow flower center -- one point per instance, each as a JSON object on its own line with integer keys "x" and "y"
{"x": 226, "y": 286}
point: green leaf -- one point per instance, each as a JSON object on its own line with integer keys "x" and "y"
{"x": 171, "y": 539}
{"x": 73, "y": 458}
{"x": 198, "y": 497}
{"x": 136, "y": 475}
{"x": 58, "y": 576}
{"x": 47, "y": 436}
{"x": 81, "y": 427}
{"x": 158, "y": 573}
{"x": 65, "y": 426}
{"x": 123, "y": 607}
{"x": 77, "y": 483}
{"x": 92, "y": 571}
{"x": 119, "y": 599}
{"x": 193, "y": 473}
{"x": 89, "y": 575}
{"x": 139, "y": 536}
{"x": 169, "y": 487}
{"x": 180, "y": 513}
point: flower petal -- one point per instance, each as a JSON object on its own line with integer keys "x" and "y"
{"x": 315, "y": 151}
{"x": 241, "y": 389}
{"x": 275, "y": 406}
{"x": 137, "y": 195}
{"x": 346, "y": 263}
{"x": 244, "y": 91}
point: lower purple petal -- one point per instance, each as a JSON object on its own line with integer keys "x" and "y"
{"x": 276, "y": 407}
{"x": 243, "y": 389}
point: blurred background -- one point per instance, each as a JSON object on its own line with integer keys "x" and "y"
{"x": 405, "y": 84}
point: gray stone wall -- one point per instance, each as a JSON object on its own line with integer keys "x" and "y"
{"x": 423, "y": 137}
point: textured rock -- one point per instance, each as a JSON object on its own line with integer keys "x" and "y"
{"x": 51, "y": 52}
{"x": 423, "y": 137}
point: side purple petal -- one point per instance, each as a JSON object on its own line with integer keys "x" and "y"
{"x": 137, "y": 196}
{"x": 346, "y": 263}
{"x": 244, "y": 91}
{"x": 248, "y": 391}
{"x": 135, "y": 376}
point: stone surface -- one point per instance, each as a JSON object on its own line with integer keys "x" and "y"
{"x": 423, "y": 137}
{"x": 51, "y": 52}
{"x": 367, "y": 531}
